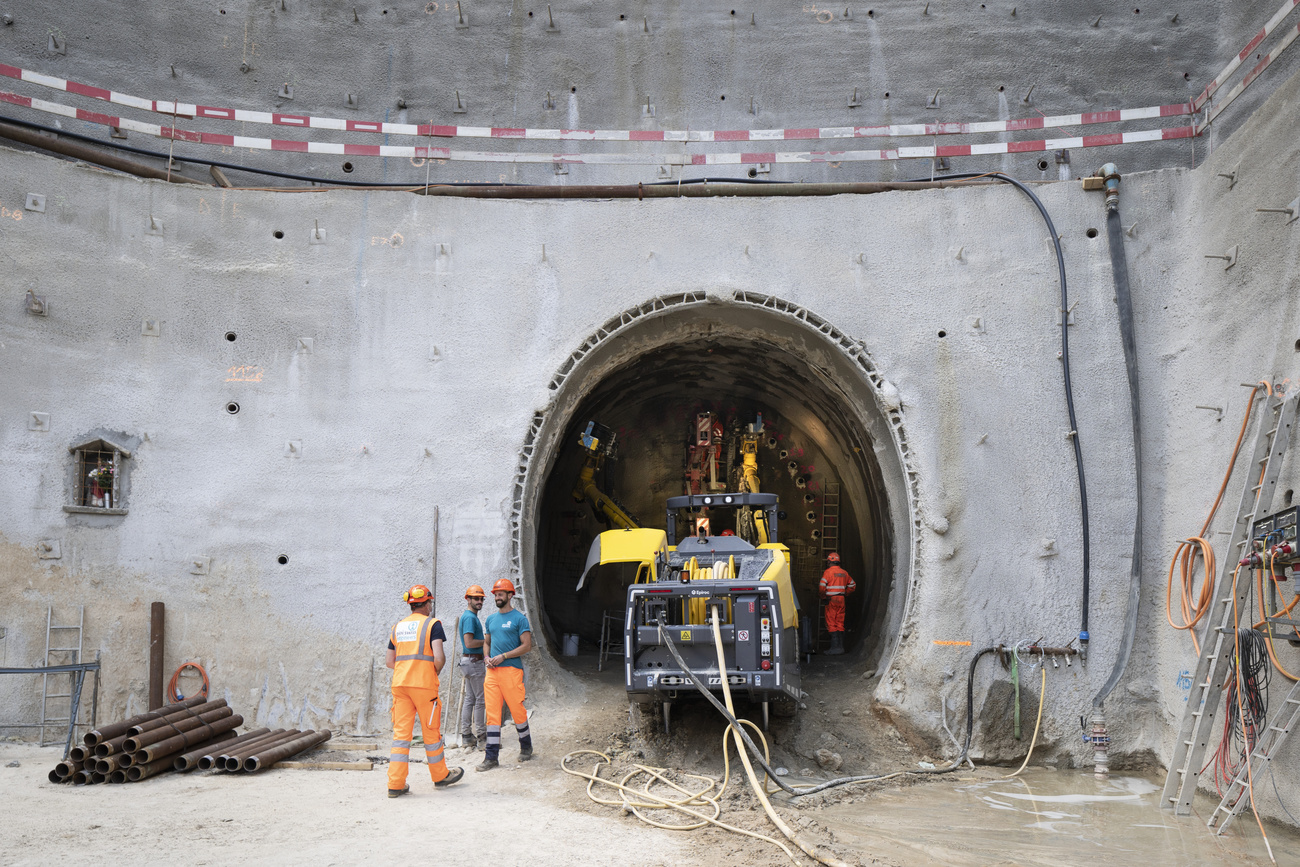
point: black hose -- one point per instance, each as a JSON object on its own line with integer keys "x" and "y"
{"x": 1124, "y": 301}
{"x": 1069, "y": 391}
{"x": 970, "y": 700}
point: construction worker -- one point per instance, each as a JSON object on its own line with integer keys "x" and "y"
{"x": 508, "y": 637}
{"x": 835, "y": 585}
{"x": 473, "y": 731}
{"x": 416, "y": 657}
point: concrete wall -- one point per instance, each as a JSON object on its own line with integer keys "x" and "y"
{"x": 436, "y": 327}
{"x": 702, "y": 67}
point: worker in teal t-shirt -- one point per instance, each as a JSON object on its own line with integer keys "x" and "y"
{"x": 473, "y": 729}
{"x": 508, "y": 637}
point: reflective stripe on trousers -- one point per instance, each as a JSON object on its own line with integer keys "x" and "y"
{"x": 410, "y": 702}
{"x": 505, "y": 685}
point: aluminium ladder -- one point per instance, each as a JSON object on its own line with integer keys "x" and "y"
{"x": 74, "y": 682}
{"x": 1237, "y": 796}
{"x": 1220, "y": 638}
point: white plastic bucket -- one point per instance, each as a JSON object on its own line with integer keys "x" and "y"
{"x": 570, "y": 644}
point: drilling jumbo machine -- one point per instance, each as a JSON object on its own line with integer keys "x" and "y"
{"x": 680, "y": 587}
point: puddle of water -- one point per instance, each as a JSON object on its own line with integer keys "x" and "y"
{"x": 1047, "y": 818}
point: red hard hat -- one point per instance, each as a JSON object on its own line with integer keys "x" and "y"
{"x": 504, "y": 584}
{"x": 418, "y": 595}
{"x": 832, "y": 557}
{"x": 475, "y": 590}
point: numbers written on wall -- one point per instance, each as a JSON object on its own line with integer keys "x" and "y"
{"x": 11, "y": 213}
{"x": 244, "y": 373}
{"x": 1184, "y": 682}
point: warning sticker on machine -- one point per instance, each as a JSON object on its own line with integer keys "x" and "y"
{"x": 742, "y": 635}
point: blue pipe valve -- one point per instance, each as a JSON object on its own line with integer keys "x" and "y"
{"x": 1110, "y": 175}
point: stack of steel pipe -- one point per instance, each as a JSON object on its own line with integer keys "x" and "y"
{"x": 267, "y": 753}
{"x": 146, "y": 744}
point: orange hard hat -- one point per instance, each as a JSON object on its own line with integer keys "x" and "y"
{"x": 418, "y": 595}
{"x": 504, "y": 584}
{"x": 832, "y": 557}
{"x": 475, "y": 590}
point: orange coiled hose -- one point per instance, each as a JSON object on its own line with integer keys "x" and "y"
{"x": 1188, "y": 550}
{"x": 174, "y": 690}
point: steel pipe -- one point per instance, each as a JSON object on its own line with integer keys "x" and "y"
{"x": 235, "y": 760}
{"x": 189, "y": 761}
{"x": 135, "y": 743}
{"x": 55, "y": 778}
{"x": 284, "y": 751}
{"x": 677, "y": 191}
{"x": 188, "y": 740}
{"x": 183, "y": 713}
{"x": 68, "y": 767}
{"x": 79, "y": 753}
{"x": 118, "y": 776}
{"x": 97, "y": 777}
{"x": 109, "y": 732}
{"x": 107, "y": 748}
{"x": 135, "y": 773}
{"x": 112, "y": 763}
{"x": 212, "y": 759}
{"x": 90, "y": 155}
{"x": 156, "y": 612}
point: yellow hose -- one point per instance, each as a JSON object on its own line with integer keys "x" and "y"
{"x": 1042, "y": 691}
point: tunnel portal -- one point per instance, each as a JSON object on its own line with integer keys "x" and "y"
{"x": 814, "y": 452}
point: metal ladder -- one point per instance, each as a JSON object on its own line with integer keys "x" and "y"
{"x": 830, "y": 518}
{"x": 48, "y": 721}
{"x": 1217, "y": 646}
{"x": 1236, "y": 798}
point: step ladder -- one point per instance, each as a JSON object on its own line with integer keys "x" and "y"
{"x": 1237, "y": 796}
{"x": 62, "y": 647}
{"x": 1198, "y": 729}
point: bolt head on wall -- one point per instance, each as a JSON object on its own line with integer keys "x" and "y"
{"x": 306, "y": 345}
{"x": 35, "y": 202}
{"x": 38, "y": 421}
{"x": 200, "y": 565}
{"x": 293, "y": 449}
{"x": 37, "y": 305}
{"x": 49, "y": 549}
{"x": 151, "y": 328}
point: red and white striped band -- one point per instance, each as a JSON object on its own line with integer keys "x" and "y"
{"x": 1240, "y": 58}
{"x": 629, "y": 159}
{"x": 1219, "y": 106}
{"x": 302, "y": 121}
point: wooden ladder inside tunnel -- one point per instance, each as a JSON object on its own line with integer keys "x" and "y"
{"x": 59, "y": 656}
{"x": 1237, "y": 796}
{"x": 1219, "y": 641}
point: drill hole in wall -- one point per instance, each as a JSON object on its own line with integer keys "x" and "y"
{"x": 231, "y": 336}
{"x": 724, "y": 97}
{"x": 282, "y": 559}
{"x": 753, "y": 173}
{"x": 278, "y": 235}
{"x": 1288, "y": 497}
{"x": 622, "y": 18}
{"x": 347, "y": 167}
{"x": 232, "y": 408}
{"x": 1042, "y": 165}
{"x": 943, "y": 333}
{"x": 1091, "y": 233}
{"x": 573, "y": 90}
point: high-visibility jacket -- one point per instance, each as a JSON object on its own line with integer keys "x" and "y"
{"x": 837, "y": 582}
{"x": 415, "y": 663}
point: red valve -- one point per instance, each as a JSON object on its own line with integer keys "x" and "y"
{"x": 767, "y": 665}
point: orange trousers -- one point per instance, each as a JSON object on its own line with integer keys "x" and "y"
{"x": 410, "y": 702}
{"x": 505, "y": 685}
{"x": 835, "y": 614}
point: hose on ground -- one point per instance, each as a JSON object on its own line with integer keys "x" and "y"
{"x": 1042, "y": 691}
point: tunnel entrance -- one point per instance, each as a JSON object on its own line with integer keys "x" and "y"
{"x": 824, "y": 448}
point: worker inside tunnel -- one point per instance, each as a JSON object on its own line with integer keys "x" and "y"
{"x": 706, "y": 407}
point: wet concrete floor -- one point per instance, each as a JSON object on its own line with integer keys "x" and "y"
{"x": 1052, "y": 818}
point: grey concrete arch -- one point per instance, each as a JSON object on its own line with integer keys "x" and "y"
{"x": 772, "y": 353}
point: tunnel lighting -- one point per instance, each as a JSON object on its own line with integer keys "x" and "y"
{"x": 708, "y": 501}
{"x": 726, "y": 499}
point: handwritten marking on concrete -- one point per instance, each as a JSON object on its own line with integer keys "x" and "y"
{"x": 244, "y": 373}
{"x": 952, "y": 643}
{"x": 395, "y": 240}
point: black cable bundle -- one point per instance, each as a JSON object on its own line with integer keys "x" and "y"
{"x": 1240, "y": 735}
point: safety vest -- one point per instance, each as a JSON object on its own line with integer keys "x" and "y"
{"x": 415, "y": 664}
{"x": 837, "y": 582}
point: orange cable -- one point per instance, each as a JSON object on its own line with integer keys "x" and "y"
{"x": 172, "y": 688}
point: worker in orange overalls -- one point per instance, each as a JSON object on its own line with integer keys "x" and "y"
{"x": 416, "y": 657}
{"x": 835, "y": 585}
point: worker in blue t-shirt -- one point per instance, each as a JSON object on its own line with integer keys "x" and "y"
{"x": 508, "y": 637}
{"x": 473, "y": 732}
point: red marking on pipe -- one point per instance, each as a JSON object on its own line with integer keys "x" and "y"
{"x": 811, "y": 132}
{"x": 441, "y": 130}
{"x": 213, "y": 138}
{"x": 952, "y": 151}
{"x": 280, "y": 144}
{"x": 645, "y": 135}
{"x": 1019, "y": 147}
{"x": 11, "y": 71}
{"x": 1096, "y": 141}
{"x": 15, "y": 99}
{"x": 698, "y": 160}
{"x": 1180, "y": 109}
{"x": 1177, "y": 132}
{"x": 87, "y": 90}
{"x": 731, "y": 135}
{"x": 96, "y": 117}
{"x": 758, "y": 158}
{"x": 1101, "y": 116}
{"x": 361, "y": 150}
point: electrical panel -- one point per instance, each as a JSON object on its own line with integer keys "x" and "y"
{"x": 1273, "y": 542}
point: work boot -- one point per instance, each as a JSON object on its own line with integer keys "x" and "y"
{"x": 837, "y": 644}
{"x": 453, "y": 776}
{"x": 468, "y": 741}
{"x": 525, "y": 754}
{"x": 486, "y": 765}
{"x": 397, "y": 793}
